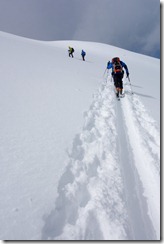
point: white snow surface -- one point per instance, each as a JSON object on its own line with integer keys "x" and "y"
{"x": 76, "y": 163}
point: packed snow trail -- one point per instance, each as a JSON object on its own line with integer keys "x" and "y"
{"x": 102, "y": 194}
{"x": 144, "y": 139}
{"x": 141, "y": 226}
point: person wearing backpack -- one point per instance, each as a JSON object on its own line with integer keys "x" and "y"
{"x": 83, "y": 53}
{"x": 117, "y": 72}
{"x": 70, "y": 51}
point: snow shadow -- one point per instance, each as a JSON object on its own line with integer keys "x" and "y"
{"x": 73, "y": 195}
{"x": 144, "y": 95}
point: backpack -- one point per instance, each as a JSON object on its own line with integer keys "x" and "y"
{"x": 72, "y": 50}
{"x": 117, "y": 67}
{"x": 83, "y": 53}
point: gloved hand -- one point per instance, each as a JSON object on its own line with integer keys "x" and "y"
{"x": 127, "y": 75}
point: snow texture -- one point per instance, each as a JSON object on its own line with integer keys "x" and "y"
{"x": 76, "y": 163}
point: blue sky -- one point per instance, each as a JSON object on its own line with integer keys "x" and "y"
{"x": 129, "y": 24}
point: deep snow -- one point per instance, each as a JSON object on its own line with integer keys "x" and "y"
{"x": 76, "y": 164}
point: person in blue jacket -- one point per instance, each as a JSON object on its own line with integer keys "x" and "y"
{"x": 117, "y": 72}
{"x": 83, "y": 53}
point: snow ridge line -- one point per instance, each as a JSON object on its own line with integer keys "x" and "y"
{"x": 145, "y": 142}
{"x": 91, "y": 201}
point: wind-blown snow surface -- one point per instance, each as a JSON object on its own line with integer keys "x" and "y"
{"x": 76, "y": 164}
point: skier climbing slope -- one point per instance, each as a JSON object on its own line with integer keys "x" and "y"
{"x": 76, "y": 163}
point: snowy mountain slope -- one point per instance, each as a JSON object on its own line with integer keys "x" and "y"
{"x": 106, "y": 186}
{"x": 100, "y": 194}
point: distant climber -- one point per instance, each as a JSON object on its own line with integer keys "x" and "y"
{"x": 117, "y": 72}
{"x": 83, "y": 53}
{"x": 70, "y": 51}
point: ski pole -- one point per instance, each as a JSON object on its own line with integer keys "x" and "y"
{"x": 104, "y": 72}
{"x": 130, "y": 85}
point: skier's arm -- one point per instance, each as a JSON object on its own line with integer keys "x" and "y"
{"x": 125, "y": 67}
{"x": 109, "y": 66}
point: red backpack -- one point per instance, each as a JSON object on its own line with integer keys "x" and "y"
{"x": 117, "y": 67}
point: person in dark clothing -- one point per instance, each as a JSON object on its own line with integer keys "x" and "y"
{"x": 83, "y": 53}
{"x": 118, "y": 73}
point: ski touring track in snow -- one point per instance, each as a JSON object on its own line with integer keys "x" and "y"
{"x": 105, "y": 191}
